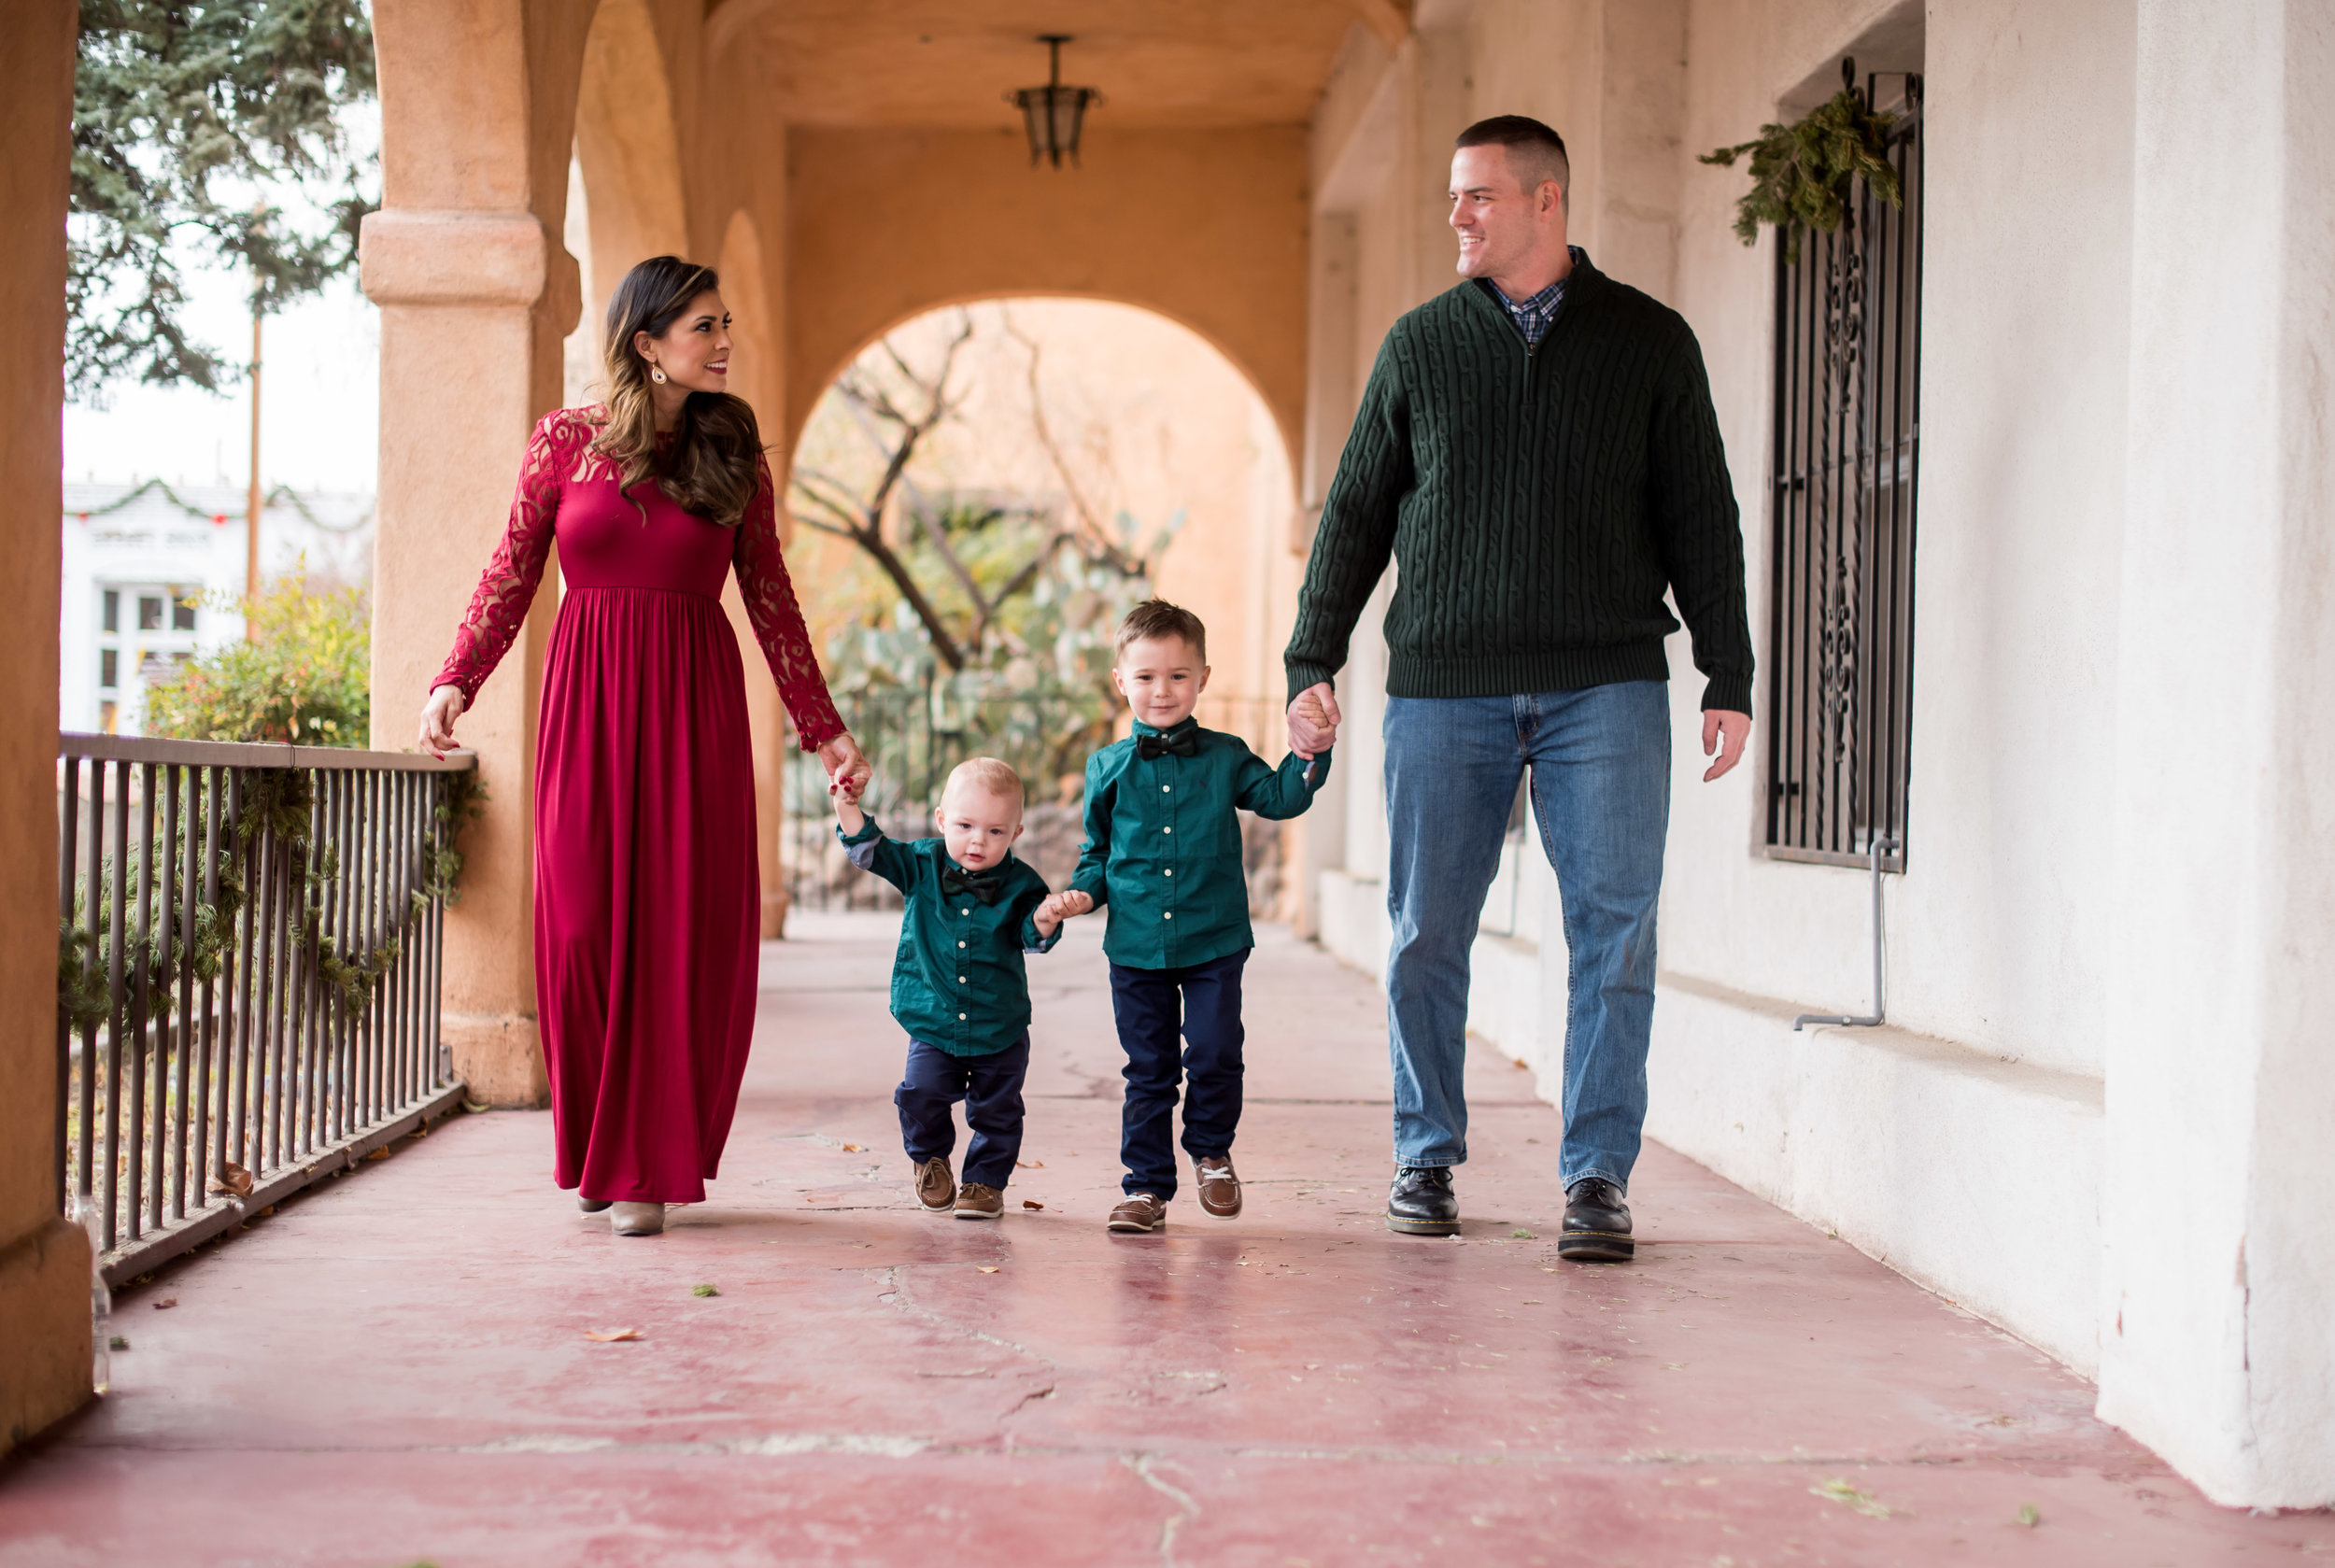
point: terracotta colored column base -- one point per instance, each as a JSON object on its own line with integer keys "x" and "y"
{"x": 500, "y": 1056}
{"x": 45, "y": 1355}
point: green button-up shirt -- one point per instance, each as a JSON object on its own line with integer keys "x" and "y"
{"x": 1163, "y": 844}
{"x": 958, "y": 980}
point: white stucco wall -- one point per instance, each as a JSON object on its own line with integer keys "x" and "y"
{"x": 2218, "y": 1347}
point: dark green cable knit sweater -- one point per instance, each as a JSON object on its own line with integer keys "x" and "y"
{"x": 1537, "y": 505}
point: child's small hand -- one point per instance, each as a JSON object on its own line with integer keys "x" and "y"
{"x": 1058, "y": 908}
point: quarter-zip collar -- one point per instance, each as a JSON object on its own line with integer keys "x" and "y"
{"x": 1581, "y": 286}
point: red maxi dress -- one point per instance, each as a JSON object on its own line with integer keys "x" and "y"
{"x": 647, "y": 893}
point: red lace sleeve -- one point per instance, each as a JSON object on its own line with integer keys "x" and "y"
{"x": 770, "y": 597}
{"x": 507, "y": 587}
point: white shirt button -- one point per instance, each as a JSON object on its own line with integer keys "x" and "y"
{"x": 960, "y": 1018}
{"x": 964, "y": 911}
{"x": 961, "y": 979}
{"x": 1166, "y": 788}
{"x": 1169, "y": 872}
{"x": 1168, "y": 915}
{"x": 960, "y": 944}
{"x": 1166, "y": 831}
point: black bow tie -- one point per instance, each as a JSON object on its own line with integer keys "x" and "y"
{"x": 983, "y": 885}
{"x": 1175, "y": 743}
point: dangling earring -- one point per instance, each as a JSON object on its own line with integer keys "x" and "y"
{"x": 656, "y": 375}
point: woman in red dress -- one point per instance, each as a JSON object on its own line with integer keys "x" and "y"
{"x": 648, "y": 892}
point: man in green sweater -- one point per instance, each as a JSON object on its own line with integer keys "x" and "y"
{"x": 1537, "y": 454}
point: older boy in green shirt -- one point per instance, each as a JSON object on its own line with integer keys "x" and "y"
{"x": 1163, "y": 851}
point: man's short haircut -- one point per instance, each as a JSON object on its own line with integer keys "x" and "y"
{"x": 1157, "y": 618}
{"x": 1535, "y": 152}
{"x": 990, "y": 775}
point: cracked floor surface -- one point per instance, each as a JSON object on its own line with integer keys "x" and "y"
{"x": 393, "y": 1369}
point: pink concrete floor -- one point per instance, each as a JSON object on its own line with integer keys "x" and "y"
{"x": 394, "y": 1369}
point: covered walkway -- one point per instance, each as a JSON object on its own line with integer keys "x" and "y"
{"x": 395, "y": 1369}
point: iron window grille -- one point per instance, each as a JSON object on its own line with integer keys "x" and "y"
{"x": 1847, "y": 433}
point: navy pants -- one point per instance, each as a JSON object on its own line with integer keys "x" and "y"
{"x": 1201, "y": 1002}
{"x": 991, "y": 1088}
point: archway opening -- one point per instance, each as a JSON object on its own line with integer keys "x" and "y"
{"x": 976, "y": 500}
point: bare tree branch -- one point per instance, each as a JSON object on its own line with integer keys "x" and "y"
{"x": 1097, "y": 546}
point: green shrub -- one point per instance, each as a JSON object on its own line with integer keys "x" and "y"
{"x": 301, "y": 674}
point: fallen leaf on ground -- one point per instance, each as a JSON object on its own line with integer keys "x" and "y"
{"x": 117, "y": 1343}
{"x": 1031, "y": 1165}
{"x": 703, "y": 1290}
{"x": 233, "y": 1179}
{"x": 610, "y": 1336}
{"x": 1844, "y": 1492}
{"x": 989, "y": 1268}
{"x": 1032, "y": 1203}
{"x": 378, "y": 1154}
{"x": 476, "y": 1107}
{"x": 2029, "y": 1516}
{"x": 165, "y": 1304}
{"x": 1522, "y": 1235}
{"x": 854, "y": 1149}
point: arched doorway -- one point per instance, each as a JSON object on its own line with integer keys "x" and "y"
{"x": 978, "y": 495}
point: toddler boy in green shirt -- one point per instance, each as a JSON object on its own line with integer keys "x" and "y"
{"x": 1163, "y": 851}
{"x": 958, "y": 986}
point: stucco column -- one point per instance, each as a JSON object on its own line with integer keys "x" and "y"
{"x": 476, "y": 293}
{"x": 2219, "y": 1258}
{"x": 44, "y": 1261}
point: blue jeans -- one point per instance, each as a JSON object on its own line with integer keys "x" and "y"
{"x": 1600, "y": 765}
{"x": 991, "y": 1088}
{"x": 1177, "y": 1024}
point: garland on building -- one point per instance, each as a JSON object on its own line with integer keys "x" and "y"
{"x": 274, "y": 799}
{"x": 283, "y": 495}
{"x": 1801, "y": 174}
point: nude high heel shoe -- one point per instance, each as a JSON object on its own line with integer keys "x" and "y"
{"x": 637, "y": 1219}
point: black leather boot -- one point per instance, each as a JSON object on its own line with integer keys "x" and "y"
{"x": 1422, "y": 1202}
{"x": 1596, "y": 1223}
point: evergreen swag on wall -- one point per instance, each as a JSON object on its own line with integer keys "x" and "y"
{"x": 1801, "y": 174}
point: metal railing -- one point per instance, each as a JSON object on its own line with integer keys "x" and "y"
{"x": 914, "y": 735}
{"x": 249, "y": 944}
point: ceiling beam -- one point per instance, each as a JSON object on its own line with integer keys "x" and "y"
{"x": 1389, "y": 19}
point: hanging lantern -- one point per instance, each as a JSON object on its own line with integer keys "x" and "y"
{"x": 1053, "y": 114}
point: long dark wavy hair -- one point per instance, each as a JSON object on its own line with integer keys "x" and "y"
{"x": 709, "y": 469}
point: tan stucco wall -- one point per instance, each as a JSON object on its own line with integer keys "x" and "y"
{"x": 1205, "y": 226}
{"x": 685, "y": 147}
{"x": 44, "y": 1261}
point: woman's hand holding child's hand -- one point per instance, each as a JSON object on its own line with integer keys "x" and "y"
{"x": 1058, "y": 908}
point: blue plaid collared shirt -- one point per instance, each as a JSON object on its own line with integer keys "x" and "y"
{"x": 1532, "y": 317}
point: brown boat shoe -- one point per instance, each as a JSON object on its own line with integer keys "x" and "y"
{"x": 936, "y": 1189}
{"x": 1219, "y": 1189}
{"x": 1139, "y": 1211}
{"x": 977, "y": 1201}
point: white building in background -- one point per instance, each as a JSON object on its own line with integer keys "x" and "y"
{"x": 153, "y": 575}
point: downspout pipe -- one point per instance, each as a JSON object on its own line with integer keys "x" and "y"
{"x": 1881, "y": 846}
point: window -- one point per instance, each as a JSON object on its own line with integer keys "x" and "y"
{"x": 111, "y": 618}
{"x": 149, "y": 612}
{"x": 109, "y": 667}
{"x": 1848, "y": 425}
{"x": 181, "y": 614}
